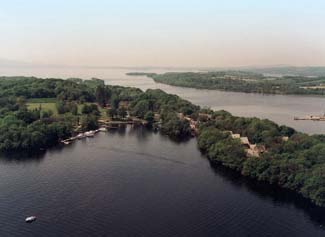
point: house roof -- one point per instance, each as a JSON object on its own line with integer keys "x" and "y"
{"x": 244, "y": 140}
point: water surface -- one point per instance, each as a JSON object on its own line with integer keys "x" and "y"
{"x": 132, "y": 182}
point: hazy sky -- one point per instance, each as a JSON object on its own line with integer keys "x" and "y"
{"x": 163, "y": 32}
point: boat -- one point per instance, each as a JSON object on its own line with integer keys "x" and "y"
{"x": 30, "y": 219}
{"x": 102, "y": 129}
{"x": 66, "y": 142}
{"x": 80, "y": 136}
{"x": 90, "y": 133}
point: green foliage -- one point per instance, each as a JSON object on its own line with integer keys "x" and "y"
{"x": 175, "y": 127}
{"x": 149, "y": 117}
{"x": 221, "y": 148}
{"x": 90, "y": 109}
{"x": 141, "y": 108}
{"x": 63, "y": 107}
{"x": 89, "y": 122}
{"x": 102, "y": 95}
{"x": 114, "y": 101}
{"x": 297, "y": 164}
{"x": 159, "y": 101}
{"x": 28, "y": 106}
{"x": 122, "y": 112}
{"x": 33, "y": 88}
{"x": 167, "y": 105}
{"x": 112, "y": 113}
{"x": 17, "y": 136}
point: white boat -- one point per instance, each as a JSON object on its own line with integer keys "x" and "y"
{"x": 66, "y": 142}
{"x": 90, "y": 133}
{"x": 80, "y": 136}
{"x": 102, "y": 129}
{"x": 30, "y": 219}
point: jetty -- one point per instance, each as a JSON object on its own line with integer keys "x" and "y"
{"x": 80, "y": 136}
{"x": 104, "y": 125}
{"x": 311, "y": 118}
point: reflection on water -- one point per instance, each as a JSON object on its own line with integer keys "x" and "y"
{"x": 278, "y": 196}
{"x": 133, "y": 182}
{"x": 21, "y": 157}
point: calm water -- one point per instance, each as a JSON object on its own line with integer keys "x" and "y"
{"x": 278, "y": 108}
{"x": 132, "y": 182}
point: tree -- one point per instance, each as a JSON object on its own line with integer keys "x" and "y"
{"x": 89, "y": 122}
{"x": 141, "y": 108}
{"x": 60, "y": 106}
{"x": 101, "y": 96}
{"x": 114, "y": 101}
{"x": 112, "y": 113}
{"x": 90, "y": 109}
{"x": 174, "y": 127}
{"x": 74, "y": 108}
{"x": 121, "y": 112}
{"x": 149, "y": 116}
{"x": 21, "y": 101}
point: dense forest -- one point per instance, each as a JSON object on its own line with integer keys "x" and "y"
{"x": 242, "y": 82}
{"x": 36, "y": 114}
{"x": 292, "y": 160}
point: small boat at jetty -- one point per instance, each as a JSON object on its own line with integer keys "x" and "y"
{"x": 66, "y": 142}
{"x": 80, "y": 136}
{"x": 30, "y": 219}
{"x": 90, "y": 133}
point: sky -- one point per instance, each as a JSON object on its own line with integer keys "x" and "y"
{"x": 176, "y": 33}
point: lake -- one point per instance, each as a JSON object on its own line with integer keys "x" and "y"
{"x": 133, "y": 182}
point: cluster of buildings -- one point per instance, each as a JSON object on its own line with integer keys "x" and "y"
{"x": 252, "y": 150}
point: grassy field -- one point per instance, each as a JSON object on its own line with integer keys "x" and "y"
{"x": 50, "y": 104}
{"x": 45, "y": 106}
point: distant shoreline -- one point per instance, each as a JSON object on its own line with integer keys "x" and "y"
{"x": 241, "y": 81}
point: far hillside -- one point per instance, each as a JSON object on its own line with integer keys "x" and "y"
{"x": 290, "y": 71}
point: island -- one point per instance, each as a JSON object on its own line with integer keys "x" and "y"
{"x": 36, "y": 114}
{"x": 241, "y": 81}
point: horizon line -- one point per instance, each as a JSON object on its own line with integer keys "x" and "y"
{"x": 23, "y": 64}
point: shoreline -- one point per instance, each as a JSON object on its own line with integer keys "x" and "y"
{"x": 182, "y": 85}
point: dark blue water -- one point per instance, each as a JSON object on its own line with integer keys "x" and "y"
{"x": 132, "y": 182}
